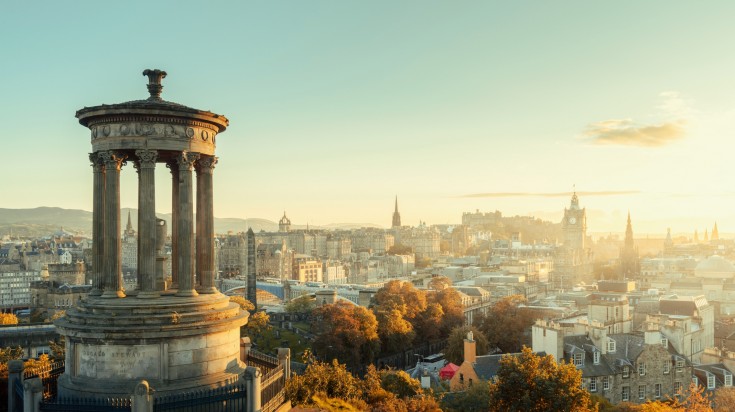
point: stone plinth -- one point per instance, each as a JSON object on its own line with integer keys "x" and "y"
{"x": 174, "y": 343}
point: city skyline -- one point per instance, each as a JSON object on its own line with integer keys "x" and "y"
{"x": 337, "y": 108}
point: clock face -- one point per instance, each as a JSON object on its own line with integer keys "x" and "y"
{"x": 572, "y": 220}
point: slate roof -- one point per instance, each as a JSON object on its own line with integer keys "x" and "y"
{"x": 576, "y": 344}
{"x": 486, "y": 366}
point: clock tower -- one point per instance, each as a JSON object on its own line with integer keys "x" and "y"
{"x": 574, "y": 225}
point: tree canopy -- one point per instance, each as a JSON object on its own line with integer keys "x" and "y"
{"x": 346, "y": 332}
{"x": 528, "y": 382}
{"x": 507, "y": 324}
{"x": 454, "y": 352}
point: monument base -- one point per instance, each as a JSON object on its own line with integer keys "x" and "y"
{"x": 175, "y": 343}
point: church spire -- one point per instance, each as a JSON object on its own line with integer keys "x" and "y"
{"x": 396, "y": 216}
{"x": 129, "y": 226}
{"x": 715, "y": 233}
{"x": 629, "y": 233}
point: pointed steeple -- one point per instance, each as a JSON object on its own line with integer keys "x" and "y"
{"x": 575, "y": 200}
{"x": 715, "y": 233}
{"x": 396, "y": 216}
{"x": 629, "y": 233}
{"x": 129, "y": 226}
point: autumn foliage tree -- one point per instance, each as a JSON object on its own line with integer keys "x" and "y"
{"x": 346, "y": 332}
{"x": 257, "y": 322}
{"x": 533, "y": 383}
{"x": 507, "y": 324}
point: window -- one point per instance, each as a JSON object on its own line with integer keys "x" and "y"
{"x": 593, "y": 385}
{"x": 695, "y": 380}
{"x": 641, "y": 391}
{"x": 677, "y": 388}
{"x": 611, "y": 346}
{"x": 710, "y": 381}
{"x": 606, "y": 383}
{"x": 596, "y": 357}
{"x": 626, "y": 371}
{"x": 679, "y": 365}
{"x": 641, "y": 368}
{"x": 658, "y": 390}
{"x": 626, "y": 393}
{"x": 728, "y": 379}
{"x": 665, "y": 343}
{"x": 667, "y": 367}
{"x": 578, "y": 359}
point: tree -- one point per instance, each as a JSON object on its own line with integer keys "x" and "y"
{"x": 507, "y": 324}
{"x": 330, "y": 380}
{"x": 395, "y": 332}
{"x": 529, "y": 382}
{"x": 451, "y": 303}
{"x": 430, "y": 323}
{"x": 454, "y": 352}
{"x": 301, "y": 305}
{"x": 257, "y": 322}
{"x": 8, "y": 319}
{"x": 401, "y": 296}
{"x": 439, "y": 283}
{"x": 725, "y": 399}
{"x": 346, "y": 332}
{"x": 399, "y": 249}
{"x": 475, "y": 399}
{"x": 400, "y": 383}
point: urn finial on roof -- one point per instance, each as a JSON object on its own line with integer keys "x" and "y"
{"x": 154, "y": 82}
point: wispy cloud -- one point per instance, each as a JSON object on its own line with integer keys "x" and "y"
{"x": 673, "y": 112}
{"x": 626, "y": 133}
{"x": 557, "y": 194}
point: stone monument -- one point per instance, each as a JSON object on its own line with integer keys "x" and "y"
{"x": 177, "y": 335}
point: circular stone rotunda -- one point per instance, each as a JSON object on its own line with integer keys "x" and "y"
{"x": 177, "y": 333}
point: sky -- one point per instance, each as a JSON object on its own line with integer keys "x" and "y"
{"x": 337, "y": 107}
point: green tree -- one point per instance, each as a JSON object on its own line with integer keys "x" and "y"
{"x": 507, "y": 324}
{"x": 430, "y": 323}
{"x": 454, "y": 352}
{"x": 301, "y": 305}
{"x": 533, "y": 383}
{"x": 475, "y": 399}
{"x": 346, "y": 332}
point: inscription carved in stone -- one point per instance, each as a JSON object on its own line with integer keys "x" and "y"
{"x": 118, "y": 361}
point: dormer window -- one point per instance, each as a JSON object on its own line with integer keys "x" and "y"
{"x": 710, "y": 381}
{"x": 578, "y": 359}
{"x": 728, "y": 379}
{"x": 611, "y": 346}
{"x": 596, "y": 357}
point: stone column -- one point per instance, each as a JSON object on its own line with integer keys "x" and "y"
{"x": 113, "y": 284}
{"x": 186, "y": 224}
{"x": 147, "y": 222}
{"x": 98, "y": 222}
{"x": 205, "y": 224}
{"x": 174, "y": 166}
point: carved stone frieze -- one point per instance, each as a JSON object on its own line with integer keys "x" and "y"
{"x": 180, "y": 131}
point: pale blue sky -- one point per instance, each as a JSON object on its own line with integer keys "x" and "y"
{"x": 336, "y": 107}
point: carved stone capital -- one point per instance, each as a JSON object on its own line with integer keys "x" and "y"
{"x": 206, "y": 164}
{"x": 186, "y": 160}
{"x": 146, "y": 158}
{"x": 112, "y": 159}
{"x": 97, "y": 163}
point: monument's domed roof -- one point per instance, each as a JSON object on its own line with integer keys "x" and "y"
{"x": 715, "y": 267}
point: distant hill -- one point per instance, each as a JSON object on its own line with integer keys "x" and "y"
{"x": 43, "y": 221}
